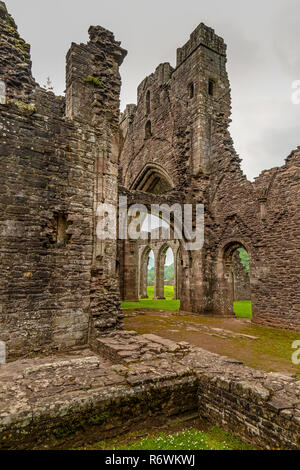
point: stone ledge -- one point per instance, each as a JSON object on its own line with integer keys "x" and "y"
{"x": 47, "y": 402}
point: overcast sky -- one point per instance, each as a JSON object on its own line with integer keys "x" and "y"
{"x": 263, "y": 38}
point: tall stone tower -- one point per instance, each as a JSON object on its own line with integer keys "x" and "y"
{"x": 172, "y": 122}
{"x": 200, "y": 79}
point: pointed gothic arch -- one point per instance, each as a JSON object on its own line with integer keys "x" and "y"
{"x": 153, "y": 179}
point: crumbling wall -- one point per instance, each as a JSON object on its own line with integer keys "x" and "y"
{"x": 15, "y": 61}
{"x": 58, "y": 286}
{"x": 189, "y": 108}
{"x": 180, "y": 109}
{"x": 261, "y": 217}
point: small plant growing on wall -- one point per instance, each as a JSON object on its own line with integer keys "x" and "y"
{"x": 90, "y": 80}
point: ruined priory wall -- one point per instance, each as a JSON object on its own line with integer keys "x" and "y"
{"x": 178, "y": 105}
{"x": 158, "y": 150}
{"x": 191, "y": 139}
{"x": 53, "y": 280}
{"x": 87, "y": 398}
{"x": 181, "y": 110}
{"x": 263, "y": 217}
{"x": 45, "y": 173}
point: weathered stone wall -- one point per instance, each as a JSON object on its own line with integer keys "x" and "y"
{"x": 128, "y": 250}
{"x": 78, "y": 399}
{"x": 260, "y": 408}
{"x": 263, "y": 218}
{"x": 15, "y": 62}
{"x": 190, "y": 152}
{"x": 58, "y": 286}
{"x": 59, "y": 159}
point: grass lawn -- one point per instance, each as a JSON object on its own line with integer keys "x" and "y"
{"x": 168, "y": 304}
{"x": 189, "y": 439}
{"x": 241, "y": 309}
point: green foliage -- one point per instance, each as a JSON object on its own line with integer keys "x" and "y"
{"x": 243, "y": 309}
{"x": 169, "y": 292}
{"x": 190, "y": 439}
{"x": 244, "y": 259}
{"x": 151, "y": 275}
{"x": 92, "y": 81}
{"x": 24, "y": 108}
{"x": 22, "y": 46}
{"x": 169, "y": 273}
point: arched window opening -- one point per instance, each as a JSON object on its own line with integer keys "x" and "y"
{"x": 191, "y": 90}
{"x": 169, "y": 278}
{"x": 62, "y": 225}
{"x": 165, "y": 271}
{"x": 159, "y": 270}
{"x": 150, "y": 275}
{"x": 237, "y": 277}
{"x": 178, "y": 263}
{"x": 148, "y": 102}
{"x": 148, "y": 130}
{"x": 153, "y": 179}
{"x": 153, "y": 223}
{"x": 211, "y": 87}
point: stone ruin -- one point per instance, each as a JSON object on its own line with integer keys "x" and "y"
{"x": 59, "y": 160}
{"x": 62, "y": 156}
{"x": 189, "y": 157}
{"x": 61, "y": 286}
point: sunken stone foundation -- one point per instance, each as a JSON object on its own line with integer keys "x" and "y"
{"x": 57, "y": 402}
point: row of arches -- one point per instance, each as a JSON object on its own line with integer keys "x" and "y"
{"x": 234, "y": 275}
{"x": 204, "y": 284}
{"x": 232, "y": 283}
{"x": 208, "y": 281}
{"x": 157, "y": 258}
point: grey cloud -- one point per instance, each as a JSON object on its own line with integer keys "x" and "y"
{"x": 263, "y": 58}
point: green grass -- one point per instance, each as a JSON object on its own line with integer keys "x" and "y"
{"x": 243, "y": 309}
{"x": 188, "y": 439}
{"x": 169, "y": 292}
{"x": 168, "y": 304}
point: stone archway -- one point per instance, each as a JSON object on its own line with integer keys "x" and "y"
{"x": 230, "y": 277}
{"x": 160, "y": 270}
{"x": 143, "y": 272}
{"x": 153, "y": 179}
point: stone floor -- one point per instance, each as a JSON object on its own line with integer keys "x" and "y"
{"x": 132, "y": 377}
{"x": 259, "y": 347}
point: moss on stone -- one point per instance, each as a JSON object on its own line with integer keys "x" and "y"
{"x": 11, "y": 21}
{"x": 22, "y": 46}
{"x": 92, "y": 81}
{"x": 23, "y": 107}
